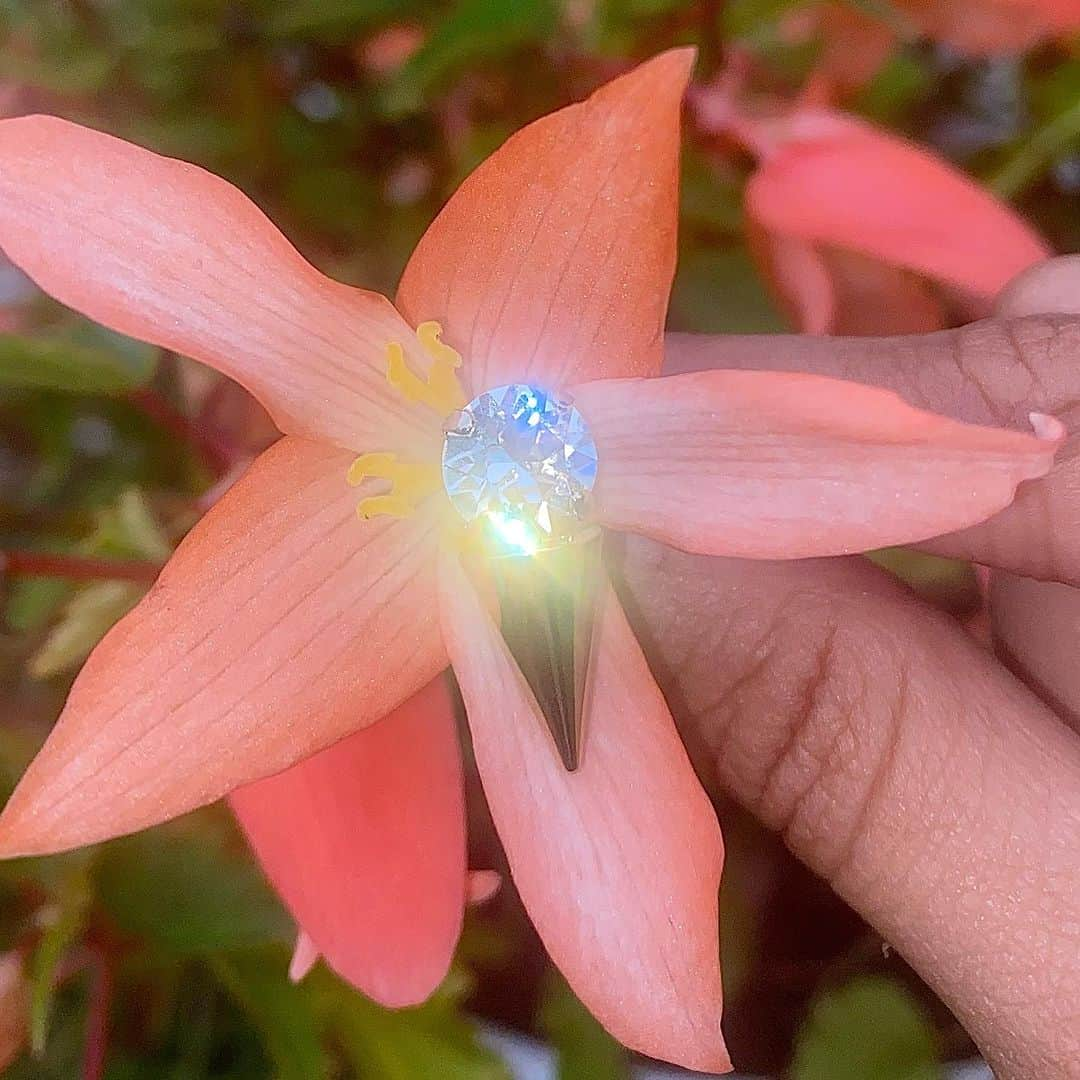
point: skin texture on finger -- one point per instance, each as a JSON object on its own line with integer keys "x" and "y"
{"x": 1036, "y": 630}
{"x": 618, "y": 863}
{"x": 281, "y": 624}
{"x": 365, "y": 843}
{"x": 553, "y": 261}
{"x": 166, "y": 252}
{"x": 897, "y": 759}
{"x": 776, "y": 465}
{"x": 994, "y": 372}
{"x": 1037, "y": 624}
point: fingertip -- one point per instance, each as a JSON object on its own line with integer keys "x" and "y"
{"x": 1048, "y": 288}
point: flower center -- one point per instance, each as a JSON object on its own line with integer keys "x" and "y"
{"x": 522, "y": 461}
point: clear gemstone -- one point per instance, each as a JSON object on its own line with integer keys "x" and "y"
{"x": 524, "y": 460}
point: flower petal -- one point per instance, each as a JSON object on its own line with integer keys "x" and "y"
{"x": 164, "y": 251}
{"x": 553, "y": 261}
{"x": 619, "y": 862}
{"x": 281, "y": 624}
{"x": 783, "y": 466}
{"x": 830, "y": 290}
{"x": 365, "y": 842}
{"x": 833, "y": 179}
{"x": 305, "y": 956}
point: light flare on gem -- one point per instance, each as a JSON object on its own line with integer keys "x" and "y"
{"x": 523, "y": 461}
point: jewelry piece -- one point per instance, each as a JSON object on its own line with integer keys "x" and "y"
{"x": 518, "y": 464}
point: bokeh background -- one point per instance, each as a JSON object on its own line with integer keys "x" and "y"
{"x": 163, "y": 956}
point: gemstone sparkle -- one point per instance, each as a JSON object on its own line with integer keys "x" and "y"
{"x": 522, "y": 459}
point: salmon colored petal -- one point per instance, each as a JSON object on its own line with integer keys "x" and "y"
{"x": 618, "y": 863}
{"x": 164, "y": 251}
{"x": 553, "y": 261}
{"x": 799, "y": 277}
{"x": 875, "y": 298}
{"x": 831, "y": 179}
{"x": 781, "y": 466}
{"x": 281, "y": 624}
{"x": 365, "y": 842}
{"x": 832, "y": 291}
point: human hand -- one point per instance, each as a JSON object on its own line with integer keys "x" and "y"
{"x": 937, "y": 793}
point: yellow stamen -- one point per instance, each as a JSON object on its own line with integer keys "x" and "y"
{"x": 441, "y": 390}
{"x": 410, "y": 484}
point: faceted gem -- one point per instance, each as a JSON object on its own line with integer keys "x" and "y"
{"x": 523, "y": 461}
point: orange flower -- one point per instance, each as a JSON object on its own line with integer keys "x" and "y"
{"x": 283, "y": 625}
{"x": 860, "y": 231}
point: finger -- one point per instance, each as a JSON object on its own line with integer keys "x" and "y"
{"x": 1036, "y": 623}
{"x": 992, "y": 372}
{"x": 1051, "y": 287}
{"x": 900, "y": 761}
{"x": 1036, "y": 628}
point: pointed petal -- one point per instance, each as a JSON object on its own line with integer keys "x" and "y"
{"x": 305, "y": 956}
{"x": 781, "y": 466}
{"x": 281, "y": 624}
{"x": 832, "y": 179}
{"x": 483, "y": 885}
{"x": 553, "y": 261}
{"x": 365, "y": 842}
{"x": 619, "y": 862}
{"x": 164, "y": 251}
{"x": 799, "y": 277}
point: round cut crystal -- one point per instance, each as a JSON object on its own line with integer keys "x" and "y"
{"x": 524, "y": 460}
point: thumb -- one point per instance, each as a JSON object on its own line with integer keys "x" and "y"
{"x": 996, "y": 371}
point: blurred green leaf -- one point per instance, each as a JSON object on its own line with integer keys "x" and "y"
{"x": 85, "y": 620}
{"x": 708, "y": 198}
{"x": 474, "y": 30}
{"x": 62, "y": 921}
{"x": 188, "y": 892}
{"x": 432, "y": 1040}
{"x": 336, "y": 18}
{"x": 129, "y": 529}
{"x": 949, "y": 584}
{"x": 900, "y": 82}
{"x": 1033, "y": 156}
{"x": 755, "y": 19}
{"x": 868, "y": 1029}
{"x": 32, "y": 602}
{"x": 55, "y": 364}
{"x": 721, "y": 292}
{"x": 280, "y": 1010}
{"x": 585, "y": 1050}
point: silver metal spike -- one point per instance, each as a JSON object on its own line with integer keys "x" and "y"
{"x": 548, "y": 605}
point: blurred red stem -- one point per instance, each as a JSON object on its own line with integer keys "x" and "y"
{"x": 76, "y": 567}
{"x": 97, "y": 1018}
{"x": 214, "y": 454}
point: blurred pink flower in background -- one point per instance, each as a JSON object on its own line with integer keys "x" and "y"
{"x": 859, "y": 231}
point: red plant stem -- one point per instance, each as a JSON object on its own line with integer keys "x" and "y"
{"x": 214, "y": 454}
{"x": 96, "y": 1047}
{"x": 77, "y": 567}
